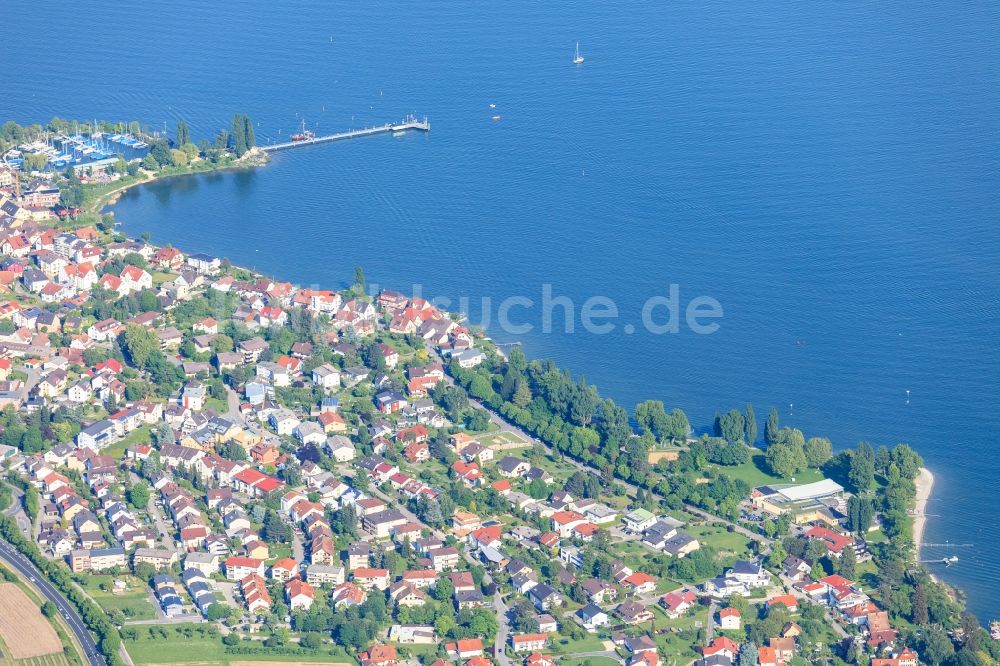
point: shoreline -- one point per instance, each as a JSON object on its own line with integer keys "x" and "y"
{"x": 925, "y": 484}
{"x": 924, "y": 481}
{"x": 101, "y": 204}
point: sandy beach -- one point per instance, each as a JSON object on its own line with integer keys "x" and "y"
{"x": 924, "y": 483}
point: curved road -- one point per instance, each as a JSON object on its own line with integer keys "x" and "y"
{"x": 16, "y": 511}
{"x": 24, "y": 566}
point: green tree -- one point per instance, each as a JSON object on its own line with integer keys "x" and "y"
{"x": 443, "y": 589}
{"x": 160, "y": 150}
{"x": 149, "y": 163}
{"x": 847, "y": 564}
{"x": 936, "y": 647}
{"x": 359, "y": 278}
{"x": 860, "y": 512}
{"x": 920, "y": 611}
{"x": 731, "y": 426}
{"x": 750, "y": 422}
{"x": 218, "y": 612}
{"x": 748, "y": 654}
{"x": 138, "y": 343}
{"x": 537, "y": 489}
{"x": 862, "y": 473}
{"x": 781, "y": 459}
{"x": 249, "y": 135}
{"x": 772, "y": 428}
{"x": 238, "y": 138}
{"x": 648, "y": 415}
{"x": 183, "y": 133}
{"x": 818, "y": 450}
{"x": 275, "y": 529}
{"x": 34, "y": 162}
{"x": 522, "y": 395}
{"x": 138, "y": 495}
{"x": 71, "y": 197}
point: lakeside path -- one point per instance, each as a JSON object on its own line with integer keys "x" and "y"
{"x": 110, "y": 197}
{"x": 924, "y": 483}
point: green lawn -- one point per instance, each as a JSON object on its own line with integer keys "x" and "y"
{"x": 171, "y": 650}
{"x": 417, "y": 651}
{"x": 117, "y": 450}
{"x": 192, "y": 646}
{"x": 279, "y": 552}
{"x": 501, "y": 437}
{"x": 754, "y": 473}
{"x": 161, "y": 277}
{"x": 589, "y": 661}
{"x": 678, "y": 645}
{"x": 567, "y": 646}
{"x": 875, "y": 536}
{"x": 717, "y": 537}
{"x": 134, "y": 602}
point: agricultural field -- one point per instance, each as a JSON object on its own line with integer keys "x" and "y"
{"x": 24, "y": 631}
{"x": 47, "y": 660}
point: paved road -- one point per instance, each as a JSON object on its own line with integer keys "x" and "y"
{"x": 16, "y": 511}
{"x": 165, "y": 530}
{"x": 710, "y": 628}
{"x": 503, "y": 629}
{"x": 233, "y": 407}
{"x": 298, "y": 546}
{"x": 28, "y": 570}
{"x": 34, "y": 376}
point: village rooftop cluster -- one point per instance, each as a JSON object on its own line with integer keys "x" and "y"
{"x": 296, "y": 452}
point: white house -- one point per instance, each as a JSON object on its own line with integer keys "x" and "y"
{"x": 591, "y": 617}
{"x": 283, "y": 421}
{"x": 326, "y": 377}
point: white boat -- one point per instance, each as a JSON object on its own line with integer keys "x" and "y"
{"x": 578, "y": 60}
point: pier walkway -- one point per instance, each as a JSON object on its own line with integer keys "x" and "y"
{"x": 409, "y": 123}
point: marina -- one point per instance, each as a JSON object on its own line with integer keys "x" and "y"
{"x": 63, "y": 151}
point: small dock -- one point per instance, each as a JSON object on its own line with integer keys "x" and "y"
{"x": 408, "y": 123}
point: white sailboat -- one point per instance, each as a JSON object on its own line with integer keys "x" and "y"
{"x": 578, "y": 59}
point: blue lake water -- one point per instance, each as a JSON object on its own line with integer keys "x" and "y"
{"x": 829, "y": 172}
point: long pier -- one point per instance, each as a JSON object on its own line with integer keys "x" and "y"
{"x": 409, "y": 123}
